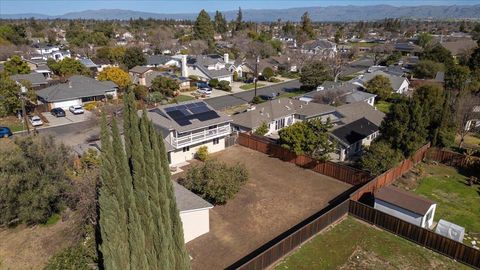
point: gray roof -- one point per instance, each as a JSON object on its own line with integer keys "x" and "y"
{"x": 161, "y": 119}
{"x": 318, "y": 44}
{"x": 140, "y": 69}
{"x": 279, "y": 108}
{"x": 203, "y": 61}
{"x": 34, "y": 78}
{"x": 76, "y": 87}
{"x": 158, "y": 59}
{"x": 87, "y": 62}
{"x": 152, "y": 75}
{"x": 346, "y": 91}
{"x": 354, "y": 111}
{"x": 395, "y": 81}
{"x": 187, "y": 200}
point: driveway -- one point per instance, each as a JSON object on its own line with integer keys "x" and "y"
{"x": 277, "y": 196}
{"x": 236, "y": 99}
{"x": 69, "y": 118}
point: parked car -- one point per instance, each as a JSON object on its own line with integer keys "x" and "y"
{"x": 204, "y": 88}
{"x": 249, "y": 80}
{"x": 76, "y": 109}
{"x": 5, "y": 132}
{"x": 272, "y": 96}
{"x": 36, "y": 121}
{"x": 58, "y": 112}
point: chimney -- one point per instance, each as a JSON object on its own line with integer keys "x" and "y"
{"x": 184, "y": 66}
{"x": 225, "y": 58}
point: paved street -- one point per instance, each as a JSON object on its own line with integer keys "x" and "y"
{"x": 223, "y": 102}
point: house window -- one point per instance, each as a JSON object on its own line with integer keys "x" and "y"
{"x": 279, "y": 124}
{"x": 216, "y": 141}
{"x": 186, "y": 149}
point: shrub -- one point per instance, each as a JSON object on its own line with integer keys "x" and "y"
{"x": 216, "y": 181}
{"x": 202, "y": 153}
{"x": 262, "y": 129}
{"x": 235, "y": 76}
{"x": 213, "y": 83}
{"x": 155, "y": 97}
{"x": 33, "y": 182}
{"x": 268, "y": 73}
{"x": 224, "y": 85}
{"x": 90, "y": 106}
{"x": 257, "y": 100}
{"x": 274, "y": 80}
{"x": 193, "y": 78}
{"x": 380, "y": 157}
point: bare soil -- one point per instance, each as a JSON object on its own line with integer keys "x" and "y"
{"x": 277, "y": 196}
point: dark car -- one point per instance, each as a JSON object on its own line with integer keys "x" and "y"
{"x": 5, "y": 132}
{"x": 58, "y": 112}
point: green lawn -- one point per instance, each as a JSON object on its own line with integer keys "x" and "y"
{"x": 250, "y": 86}
{"x": 363, "y": 44}
{"x": 383, "y": 106}
{"x": 456, "y": 201}
{"x": 471, "y": 140}
{"x": 13, "y": 123}
{"x": 356, "y": 245}
{"x": 181, "y": 98}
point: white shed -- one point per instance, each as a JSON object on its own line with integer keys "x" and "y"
{"x": 194, "y": 212}
{"x": 406, "y": 206}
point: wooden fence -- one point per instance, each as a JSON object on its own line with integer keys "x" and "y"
{"x": 423, "y": 237}
{"x": 391, "y": 175}
{"x": 287, "y": 244}
{"x": 450, "y": 158}
{"x": 343, "y": 173}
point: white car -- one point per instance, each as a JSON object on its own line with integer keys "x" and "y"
{"x": 36, "y": 121}
{"x": 205, "y": 91}
{"x": 76, "y": 109}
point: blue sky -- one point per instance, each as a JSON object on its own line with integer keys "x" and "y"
{"x": 58, "y": 7}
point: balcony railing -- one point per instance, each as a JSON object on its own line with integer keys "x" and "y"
{"x": 201, "y": 136}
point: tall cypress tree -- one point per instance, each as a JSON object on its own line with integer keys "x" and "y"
{"x": 154, "y": 234}
{"x": 113, "y": 223}
{"x": 203, "y": 28}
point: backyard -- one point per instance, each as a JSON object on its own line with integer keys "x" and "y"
{"x": 353, "y": 244}
{"x": 457, "y": 202}
{"x": 277, "y": 196}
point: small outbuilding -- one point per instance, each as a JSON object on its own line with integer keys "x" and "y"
{"x": 406, "y": 206}
{"x": 194, "y": 212}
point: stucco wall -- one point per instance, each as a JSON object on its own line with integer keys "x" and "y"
{"x": 195, "y": 223}
{"x": 178, "y": 156}
{"x": 398, "y": 212}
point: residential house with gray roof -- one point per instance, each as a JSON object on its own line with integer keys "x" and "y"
{"x": 335, "y": 93}
{"x": 161, "y": 60}
{"x": 399, "y": 84}
{"x": 76, "y": 91}
{"x": 280, "y": 113}
{"x": 37, "y": 80}
{"x": 188, "y": 126}
{"x": 207, "y": 67}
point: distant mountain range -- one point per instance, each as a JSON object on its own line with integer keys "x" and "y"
{"x": 331, "y": 13}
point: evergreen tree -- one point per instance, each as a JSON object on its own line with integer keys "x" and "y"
{"x": 203, "y": 28}
{"x": 220, "y": 23}
{"x": 113, "y": 226}
{"x": 307, "y": 27}
{"x": 239, "y": 24}
{"x": 137, "y": 179}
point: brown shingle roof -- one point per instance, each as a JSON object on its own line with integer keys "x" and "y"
{"x": 404, "y": 199}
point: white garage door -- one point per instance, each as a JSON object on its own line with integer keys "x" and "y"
{"x": 67, "y": 103}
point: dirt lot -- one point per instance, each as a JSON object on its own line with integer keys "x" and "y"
{"x": 277, "y": 196}
{"x": 30, "y": 247}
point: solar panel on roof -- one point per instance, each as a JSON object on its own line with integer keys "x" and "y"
{"x": 207, "y": 116}
{"x": 191, "y": 105}
{"x": 199, "y": 110}
{"x": 183, "y": 121}
{"x": 175, "y": 114}
{"x": 185, "y": 111}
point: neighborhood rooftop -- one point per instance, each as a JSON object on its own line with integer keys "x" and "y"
{"x": 355, "y": 131}
{"x": 187, "y": 200}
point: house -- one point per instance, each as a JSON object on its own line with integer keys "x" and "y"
{"x": 280, "y": 113}
{"x": 460, "y": 46}
{"x": 207, "y": 67}
{"x": 160, "y": 60}
{"x": 354, "y": 111}
{"x": 76, "y": 91}
{"x": 88, "y": 63}
{"x": 188, "y": 126}
{"x": 351, "y": 138}
{"x": 407, "y": 48}
{"x": 399, "y": 84}
{"x": 339, "y": 93}
{"x": 48, "y": 51}
{"x": 139, "y": 74}
{"x": 406, "y": 206}
{"x": 194, "y": 212}
{"x": 319, "y": 46}
{"x": 39, "y": 66}
{"x": 37, "y": 80}
{"x": 183, "y": 82}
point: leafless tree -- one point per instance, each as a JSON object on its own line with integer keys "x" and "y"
{"x": 162, "y": 38}
{"x": 197, "y": 47}
{"x": 380, "y": 51}
{"x": 337, "y": 63}
{"x": 467, "y": 110}
{"x": 6, "y": 51}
